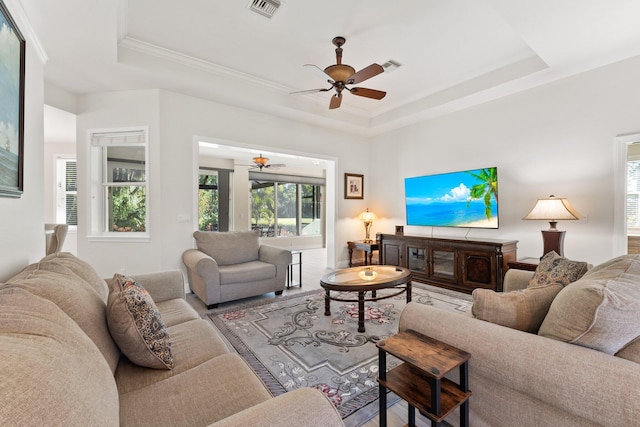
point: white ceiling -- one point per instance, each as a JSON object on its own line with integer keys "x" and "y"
{"x": 454, "y": 53}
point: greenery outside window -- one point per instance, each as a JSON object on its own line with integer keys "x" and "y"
{"x": 286, "y": 206}
{"x": 119, "y": 191}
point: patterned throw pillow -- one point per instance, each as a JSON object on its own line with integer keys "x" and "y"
{"x": 556, "y": 269}
{"x": 136, "y": 326}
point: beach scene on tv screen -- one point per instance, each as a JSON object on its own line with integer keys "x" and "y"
{"x": 456, "y": 199}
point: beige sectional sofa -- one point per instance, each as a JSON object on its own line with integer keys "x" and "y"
{"x": 580, "y": 368}
{"x": 60, "y": 366}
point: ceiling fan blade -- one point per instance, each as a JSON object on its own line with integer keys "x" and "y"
{"x": 365, "y": 74}
{"x": 310, "y": 91}
{"x": 318, "y": 72}
{"x": 368, "y": 93}
{"x": 336, "y": 100}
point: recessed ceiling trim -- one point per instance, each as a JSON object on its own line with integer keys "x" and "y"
{"x": 193, "y": 62}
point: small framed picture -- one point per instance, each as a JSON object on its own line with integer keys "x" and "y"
{"x": 353, "y": 186}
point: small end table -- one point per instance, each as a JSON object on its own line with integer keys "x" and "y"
{"x": 367, "y": 246}
{"x": 420, "y": 379}
{"x": 296, "y": 259}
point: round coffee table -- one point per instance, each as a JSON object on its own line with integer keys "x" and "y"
{"x": 362, "y": 280}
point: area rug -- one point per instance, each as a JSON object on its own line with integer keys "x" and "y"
{"x": 289, "y": 342}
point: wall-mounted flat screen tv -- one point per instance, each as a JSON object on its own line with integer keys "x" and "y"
{"x": 457, "y": 199}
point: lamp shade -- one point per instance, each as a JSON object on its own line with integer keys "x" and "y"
{"x": 367, "y": 216}
{"x": 553, "y": 209}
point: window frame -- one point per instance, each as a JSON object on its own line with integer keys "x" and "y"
{"x": 61, "y": 191}
{"x": 101, "y": 181}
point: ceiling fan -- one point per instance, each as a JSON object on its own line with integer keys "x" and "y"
{"x": 341, "y": 75}
{"x": 261, "y": 162}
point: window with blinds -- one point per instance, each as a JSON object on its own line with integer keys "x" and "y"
{"x": 119, "y": 190}
{"x": 66, "y": 192}
{"x": 633, "y": 193}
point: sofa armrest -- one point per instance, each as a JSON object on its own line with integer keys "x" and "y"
{"x": 203, "y": 273}
{"x": 573, "y": 379}
{"x": 301, "y": 407}
{"x": 515, "y": 279}
{"x": 164, "y": 285}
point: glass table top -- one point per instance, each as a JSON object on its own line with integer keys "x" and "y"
{"x": 366, "y": 275}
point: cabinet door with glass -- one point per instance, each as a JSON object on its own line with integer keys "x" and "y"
{"x": 417, "y": 258}
{"x": 443, "y": 261}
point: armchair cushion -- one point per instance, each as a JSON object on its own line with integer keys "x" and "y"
{"x": 218, "y": 246}
{"x": 247, "y": 272}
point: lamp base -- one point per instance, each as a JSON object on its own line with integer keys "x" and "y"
{"x": 553, "y": 240}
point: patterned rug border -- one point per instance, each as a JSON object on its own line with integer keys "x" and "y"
{"x": 272, "y": 384}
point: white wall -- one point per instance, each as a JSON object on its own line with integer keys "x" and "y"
{"x": 174, "y": 120}
{"x": 21, "y": 219}
{"x": 111, "y": 111}
{"x": 557, "y": 139}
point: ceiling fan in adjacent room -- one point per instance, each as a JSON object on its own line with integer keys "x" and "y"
{"x": 340, "y": 76}
{"x": 261, "y": 162}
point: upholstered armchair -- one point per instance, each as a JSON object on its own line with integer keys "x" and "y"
{"x": 55, "y": 234}
{"x": 227, "y": 266}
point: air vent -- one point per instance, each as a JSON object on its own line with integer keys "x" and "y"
{"x": 266, "y": 8}
{"x": 391, "y": 65}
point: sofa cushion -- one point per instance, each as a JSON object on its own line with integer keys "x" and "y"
{"x": 232, "y": 247}
{"x": 246, "y": 272}
{"x": 600, "y": 314}
{"x": 556, "y": 269}
{"x": 52, "y": 372}
{"x": 223, "y": 386}
{"x": 82, "y": 269}
{"x": 523, "y": 309}
{"x": 176, "y": 311}
{"x": 192, "y": 344}
{"x": 631, "y": 351}
{"x": 77, "y": 298}
{"x": 136, "y": 325}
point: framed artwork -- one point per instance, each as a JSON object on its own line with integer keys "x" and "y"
{"x": 353, "y": 186}
{"x": 12, "y": 69}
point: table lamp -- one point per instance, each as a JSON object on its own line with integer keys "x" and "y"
{"x": 367, "y": 217}
{"x": 553, "y": 209}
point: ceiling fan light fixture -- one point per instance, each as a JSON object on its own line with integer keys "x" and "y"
{"x": 340, "y": 72}
{"x": 261, "y": 160}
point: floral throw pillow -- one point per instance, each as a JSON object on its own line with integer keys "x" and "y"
{"x": 136, "y": 326}
{"x": 556, "y": 269}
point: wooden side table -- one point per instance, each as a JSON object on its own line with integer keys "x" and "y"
{"x": 528, "y": 264}
{"x": 420, "y": 379}
{"x": 367, "y": 247}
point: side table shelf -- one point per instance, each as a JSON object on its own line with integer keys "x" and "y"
{"x": 420, "y": 379}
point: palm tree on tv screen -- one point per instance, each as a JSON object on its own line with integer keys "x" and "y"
{"x": 487, "y": 187}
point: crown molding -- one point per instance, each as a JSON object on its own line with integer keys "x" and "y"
{"x": 24, "y": 24}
